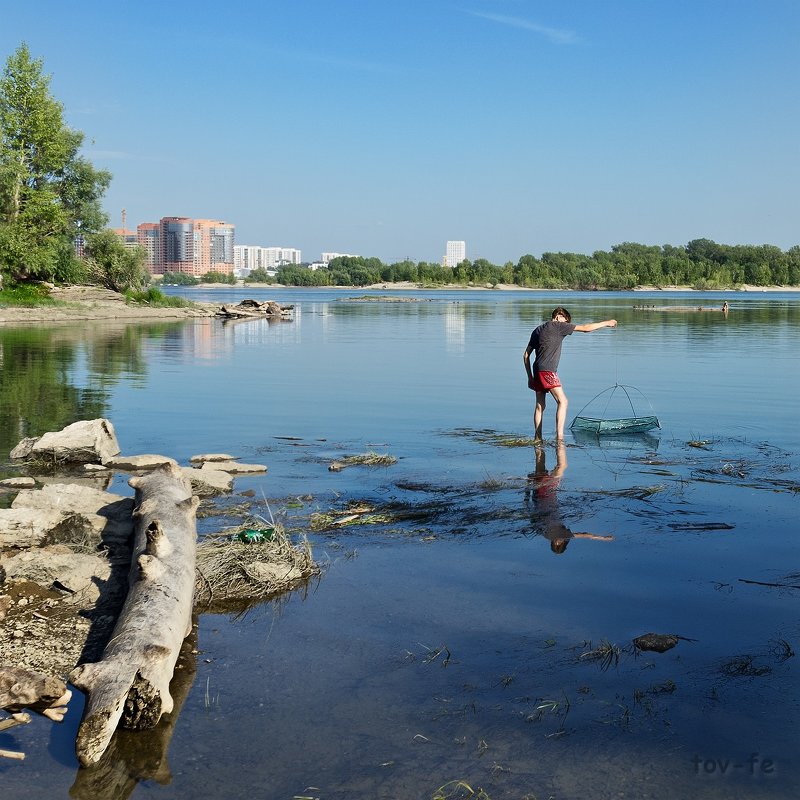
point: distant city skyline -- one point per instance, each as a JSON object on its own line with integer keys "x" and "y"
{"x": 520, "y": 125}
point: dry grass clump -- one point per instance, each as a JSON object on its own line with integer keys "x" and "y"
{"x": 606, "y": 653}
{"x": 632, "y": 493}
{"x": 744, "y": 666}
{"x": 368, "y": 459}
{"x": 459, "y": 790}
{"x": 493, "y": 437}
{"x": 517, "y": 441}
{"x": 48, "y": 463}
{"x": 229, "y": 569}
{"x": 353, "y": 515}
{"x": 77, "y": 533}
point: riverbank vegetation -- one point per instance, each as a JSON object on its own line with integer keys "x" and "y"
{"x": 26, "y": 295}
{"x": 155, "y": 298}
{"x": 700, "y": 264}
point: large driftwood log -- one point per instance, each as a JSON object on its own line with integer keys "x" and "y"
{"x": 138, "y": 756}
{"x": 130, "y": 684}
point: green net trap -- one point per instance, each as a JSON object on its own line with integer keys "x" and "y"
{"x": 614, "y": 412}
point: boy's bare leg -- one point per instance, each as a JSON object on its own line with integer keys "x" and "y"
{"x": 561, "y": 411}
{"x": 538, "y": 415}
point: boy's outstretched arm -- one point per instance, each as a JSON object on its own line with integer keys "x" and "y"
{"x": 593, "y": 326}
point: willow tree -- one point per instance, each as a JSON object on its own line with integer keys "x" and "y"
{"x": 49, "y": 194}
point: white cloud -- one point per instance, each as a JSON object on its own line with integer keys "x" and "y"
{"x": 555, "y": 35}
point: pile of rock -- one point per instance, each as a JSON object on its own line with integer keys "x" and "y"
{"x": 65, "y": 541}
{"x": 101, "y": 587}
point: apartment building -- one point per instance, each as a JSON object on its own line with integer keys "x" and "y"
{"x": 328, "y": 257}
{"x": 184, "y": 244}
{"x": 455, "y": 253}
{"x": 247, "y": 257}
{"x": 147, "y": 236}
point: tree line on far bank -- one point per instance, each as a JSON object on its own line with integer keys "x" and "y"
{"x": 701, "y": 264}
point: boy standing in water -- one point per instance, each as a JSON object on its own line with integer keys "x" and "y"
{"x": 546, "y": 341}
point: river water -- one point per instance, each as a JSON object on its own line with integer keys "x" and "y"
{"x": 453, "y": 644}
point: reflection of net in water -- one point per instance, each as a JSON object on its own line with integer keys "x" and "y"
{"x": 618, "y": 414}
{"x": 628, "y": 441}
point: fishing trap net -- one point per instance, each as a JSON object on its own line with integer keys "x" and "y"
{"x": 614, "y": 412}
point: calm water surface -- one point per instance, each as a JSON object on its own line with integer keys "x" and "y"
{"x": 452, "y": 646}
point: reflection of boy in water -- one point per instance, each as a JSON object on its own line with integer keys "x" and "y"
{"x": 543, "y": 491}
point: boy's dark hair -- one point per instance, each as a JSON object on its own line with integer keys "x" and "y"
{"x": 563, "y": 312}
{"x": 558, "y": 546}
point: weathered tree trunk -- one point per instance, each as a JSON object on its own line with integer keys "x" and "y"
{"x": 130, "y": 684}
{"x": 138, "y": 756}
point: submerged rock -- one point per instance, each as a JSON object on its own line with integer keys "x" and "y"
{"x": 233, "y": 467}
{"x": 656, "y": 642}
{"x": 203, "y": 457}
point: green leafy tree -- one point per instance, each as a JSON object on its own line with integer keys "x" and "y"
{"x": 433, "y": 273}
{"x": 294, "y": 275}
{"x": 215, "y": 276}
{"x": 49, "y": 194}
{"x": 793, "y": 265}
{"x": 113, "y": 265}
{"x": 401, "y": 271}
{"x": 179, "y": 278}
{"x": 260, "y": 275}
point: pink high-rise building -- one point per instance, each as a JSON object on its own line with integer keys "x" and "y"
{"x": 184, "y": 244}
{"x": 147, "y": 236}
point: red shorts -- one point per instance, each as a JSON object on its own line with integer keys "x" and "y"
{"x": 545, "y": 381}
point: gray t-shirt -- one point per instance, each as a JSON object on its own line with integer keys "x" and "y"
{"x": 546, "y": 341}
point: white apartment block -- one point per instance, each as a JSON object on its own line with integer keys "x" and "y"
{"x": 249, "y": 257}
{"x": 455, "y": 253}
{"x": 328, "y": 257}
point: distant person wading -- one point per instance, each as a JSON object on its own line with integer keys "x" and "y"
{"x": 546, "y": 341}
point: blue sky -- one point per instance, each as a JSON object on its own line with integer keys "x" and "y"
{"x": 385, "y": 128}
